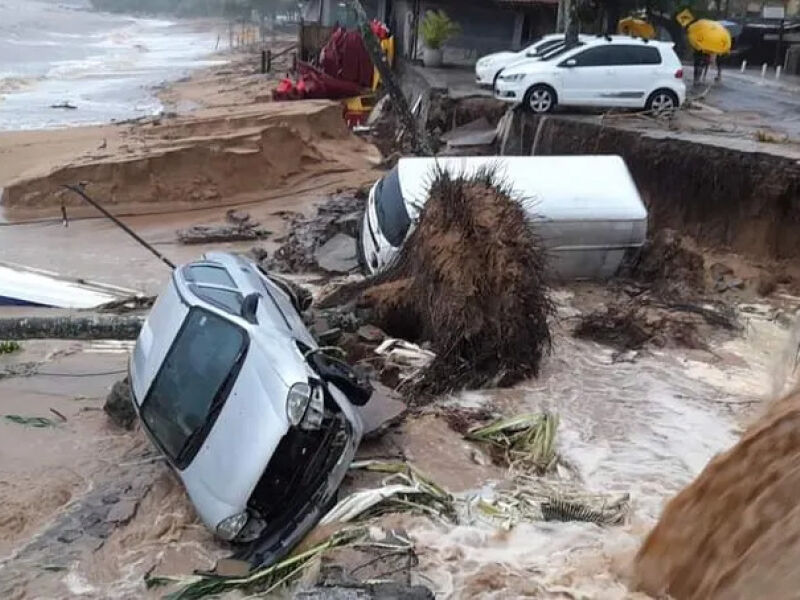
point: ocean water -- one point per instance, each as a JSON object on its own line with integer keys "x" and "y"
{"x": 54, "y": 52}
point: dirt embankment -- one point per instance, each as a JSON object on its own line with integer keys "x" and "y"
{"x": 748, "y": 201}
{"x": 199, "y": 158}
{"x": 735, "y": 531}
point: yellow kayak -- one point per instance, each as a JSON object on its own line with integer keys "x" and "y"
{"x": 636, "y": 27}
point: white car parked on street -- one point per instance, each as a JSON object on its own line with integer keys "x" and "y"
{"x": 488, "y": 68}
{"x": 612, "y": 72}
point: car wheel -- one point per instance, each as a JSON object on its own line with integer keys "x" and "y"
{"x": 540, "y": 99}
{"x": 662, "y": 102}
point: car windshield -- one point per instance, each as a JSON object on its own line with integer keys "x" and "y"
{"x": 192, "y": 384}
{"x": 558, "y": 50}
{"x": 541, "y": 48}
{"x": 390, "y": 206}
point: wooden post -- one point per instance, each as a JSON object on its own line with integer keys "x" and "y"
{"x": 294, "y": 62}
{"x": 263, "y": 62}
{"x": 269, "y": 61}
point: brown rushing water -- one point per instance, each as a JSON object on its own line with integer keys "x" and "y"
{"x": 647, "y": 428}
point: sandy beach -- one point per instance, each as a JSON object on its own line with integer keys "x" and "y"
{"x": 222, "y": 143}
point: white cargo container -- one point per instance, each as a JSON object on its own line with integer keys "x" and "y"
{"x": 586, "y": 209}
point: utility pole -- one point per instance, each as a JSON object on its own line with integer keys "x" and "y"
{"x": 419, "y": 139}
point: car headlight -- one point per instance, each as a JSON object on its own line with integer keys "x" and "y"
{"x": 513, "y": 77}
{"x": 297, "y": 402}
{"x": 229, "y": 528}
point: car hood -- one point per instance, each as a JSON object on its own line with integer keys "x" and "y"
{"x": 498, "y": 57}
{"x": 529, "y": 65}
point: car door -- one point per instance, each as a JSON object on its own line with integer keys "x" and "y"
{"x": 633, "y": 75}
{"x": 585, "y": 75}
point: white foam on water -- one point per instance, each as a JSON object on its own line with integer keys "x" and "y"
{"x": 645, "y": 428}
{"x": 108, "y": 67}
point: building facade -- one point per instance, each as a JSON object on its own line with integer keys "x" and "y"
{"x": 486, "y": 25}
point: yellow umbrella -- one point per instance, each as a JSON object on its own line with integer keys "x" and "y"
{"x": 636, "y": 27}
{"x": 709, "y": 36}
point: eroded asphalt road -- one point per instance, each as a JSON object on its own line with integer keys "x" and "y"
{"x": 779, "y": 108}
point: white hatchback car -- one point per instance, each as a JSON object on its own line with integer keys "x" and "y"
{"x": 488, "y": 67}
{"x": 613, "y": 72}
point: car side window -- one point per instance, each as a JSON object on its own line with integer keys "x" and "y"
{"x": 601, "y": 56}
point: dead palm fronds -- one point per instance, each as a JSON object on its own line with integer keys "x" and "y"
{"x": 404, "y": 490}
{"x": 533, "y": 498}
{"x": 527, "y": 442}
{"x": 263, "y": 581}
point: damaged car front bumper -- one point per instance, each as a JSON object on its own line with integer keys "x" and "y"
{"x": 307, "y": 493}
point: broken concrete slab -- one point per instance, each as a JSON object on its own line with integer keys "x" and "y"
{"x": 338, "y": 254}
{"x": 479, "y": 132}
{"x": 382, "y": 411}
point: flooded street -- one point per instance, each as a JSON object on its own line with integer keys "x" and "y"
{"x": 91, "y": 509}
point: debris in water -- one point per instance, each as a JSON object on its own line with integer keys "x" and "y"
{"x": 9, "y": 347}
{"x": 472, "y": 240}
{"x": 534, "y": 498}
{"x": 405, "y": 490}
{"x": 561, "y": 510}
{"x": 240, "y": 228}
{"x": 462, "y": 420}
{"x": 644, "y": 320}
{"x": 524, "y": 443}
{"x": 38, "y": 422}
{"x": 264, "y": 580}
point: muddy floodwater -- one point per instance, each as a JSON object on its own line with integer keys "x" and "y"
{"x": 89, "y": 510}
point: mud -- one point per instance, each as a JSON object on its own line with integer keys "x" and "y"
{"x": 200, "y": 158}
{"x": 733, "y": 533}
{"x": 741, "y": 199}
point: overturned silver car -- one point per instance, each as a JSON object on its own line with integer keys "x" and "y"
{"x": 233, "y": 389}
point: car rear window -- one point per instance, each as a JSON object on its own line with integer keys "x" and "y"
{"x": 205, "y": 273}
{"x": 390, "y": 207}
{"x": 213, "y": 284}
{"x": 193, "y": 383}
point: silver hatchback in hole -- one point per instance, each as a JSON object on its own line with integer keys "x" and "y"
{"x": 232, "y": 388}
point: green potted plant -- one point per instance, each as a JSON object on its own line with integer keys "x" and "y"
{"x": 436, "y": 29}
